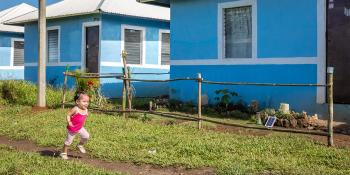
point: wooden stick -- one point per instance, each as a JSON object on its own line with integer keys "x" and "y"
{"x": 126, "y": 73}
{"x": 124, "y": 96}
{"x": 129, "y": 90}
{"x": 65, "y": 86}
{"x": 199, "y": 101}
{"x": 330, "y": 71}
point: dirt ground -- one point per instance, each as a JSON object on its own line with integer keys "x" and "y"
{"x": 121, "y": 167}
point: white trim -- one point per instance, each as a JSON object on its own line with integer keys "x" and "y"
{"x": 143, "y": 29}
{"x": 161, "y": 31}
{"x": 12, "y": 59}
{"x": 244, "y": 61}
{"x": 59, "y": 44}
{"x": 83, "y": 42}
{"x": 118, "y": 64}
{"x": 221, "y": 36}
{"x": 321, "y": 50}
{"x": 54, "y": 64}
{"x": 11, "y": 67}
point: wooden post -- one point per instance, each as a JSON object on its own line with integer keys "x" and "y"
{"x": 124, "y": 94}
{"x": 65, "y": 86}
{"x": 41, "y": 100}
{"x": 199, "y": 101}
{"x": 126, "y": 75}
{"x": 129, "y": 90}
{"x": 330, "y": 71}
{"x": 150, "y": 105}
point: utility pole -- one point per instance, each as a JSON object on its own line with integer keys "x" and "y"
{"x": 41, "y": 100}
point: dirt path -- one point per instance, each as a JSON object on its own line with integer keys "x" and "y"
{"x": 128, "y": 168}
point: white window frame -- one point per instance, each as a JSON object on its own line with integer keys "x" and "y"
{"x": 12, "y": 59}
{"x": 143, "y": 54}
{"x": 221, "y": 27}
{"x": 161, "y": 31}
{"x": 83, "y": 42}
{"x": 59, "y": 45}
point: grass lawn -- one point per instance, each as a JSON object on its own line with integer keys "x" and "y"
{"x": 114, "y": 138}
{"x": 12, "y": 162}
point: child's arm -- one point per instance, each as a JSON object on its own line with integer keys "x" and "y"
{"x": 70, "y": 114}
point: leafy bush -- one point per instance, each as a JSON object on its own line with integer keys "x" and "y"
{"x": 25, "y": 93}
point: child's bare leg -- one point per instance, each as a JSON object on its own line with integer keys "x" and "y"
{"x": 65, "y": 148}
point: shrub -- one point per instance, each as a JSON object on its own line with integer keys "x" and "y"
{"x": 25, "y": 93}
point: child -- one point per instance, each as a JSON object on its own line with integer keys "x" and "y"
{"x": 76, "y": 119}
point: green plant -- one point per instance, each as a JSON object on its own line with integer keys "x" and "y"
{"x": 224, "y": 100}
{"x": 91, "y": 86}
{"x": 25, "y": 93}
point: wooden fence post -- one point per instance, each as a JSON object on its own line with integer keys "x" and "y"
{"x": 126, "y": 75}
{"x": 124, "y": 94}
{"x": 65, "y": 86}
{"x": 330, "y": 71}
{"x": 129, "y": 90}
{"x": 199, "y": 101}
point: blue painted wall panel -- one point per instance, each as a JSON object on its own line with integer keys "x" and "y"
{"x": 70, "y": 39}
{"x": 285, "y": 28}
{"x": 111, "y": 37}
{"x": 11, "y": 74}
{"x": 54, "y": 75}
{"x": 5, "y": 47}
{"x": 300, "y": 98}
{"x": 113, "y": 87}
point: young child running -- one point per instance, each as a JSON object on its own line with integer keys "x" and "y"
{"x": 76, "y": 119}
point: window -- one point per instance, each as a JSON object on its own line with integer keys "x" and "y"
{"x": 53, "y": 46}
{"x": 18, "y": 53}
{"x": 133, "y": 45}
{"x": 238, "y": 32}
{"x": 165, "y": 48}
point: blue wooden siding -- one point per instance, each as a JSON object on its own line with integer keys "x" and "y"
{"x": 5, "y": 56}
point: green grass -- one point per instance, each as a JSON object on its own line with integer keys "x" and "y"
{"x": 13, "y": 162}
{"x": 114, "y": 138}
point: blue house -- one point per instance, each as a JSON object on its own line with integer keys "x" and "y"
{"x": 92, "y": 34}
{"x": 262, "y": 41}
{"x": 12, "y": 43}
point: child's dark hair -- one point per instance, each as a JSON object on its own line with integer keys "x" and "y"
{"x": 78, "y": 95}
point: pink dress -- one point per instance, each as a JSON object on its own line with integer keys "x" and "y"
{"x": 78, "y": 121}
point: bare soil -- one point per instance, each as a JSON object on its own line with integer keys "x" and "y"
{"x": 121, "y": 167}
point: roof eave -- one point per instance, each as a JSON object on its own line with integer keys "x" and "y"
{"x": 163, "y": 3}
{"x": 48, "y": 18}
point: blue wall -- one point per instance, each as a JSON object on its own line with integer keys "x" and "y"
{"x": 111, "y": 52}
{"x": 5, "y": 56}
{"x": 70, "y": 41}
{"x": 70, "y": 51}
{"x": 285, "y": 28}
{"x": 300, "y": 98}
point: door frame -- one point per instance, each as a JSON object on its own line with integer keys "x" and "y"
{"x": 83, "y": 43}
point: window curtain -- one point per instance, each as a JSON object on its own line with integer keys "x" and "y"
{"x": 238, "y": 32}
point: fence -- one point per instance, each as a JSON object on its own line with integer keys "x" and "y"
{"x": 126, "y": 91}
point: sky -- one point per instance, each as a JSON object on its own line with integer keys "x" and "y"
{"x": 4, "y": 4}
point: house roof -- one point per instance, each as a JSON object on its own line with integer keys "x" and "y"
{"x": 164, "y": 3}
{"x": 67, "y": 8}
{"x": 11, "y": 13}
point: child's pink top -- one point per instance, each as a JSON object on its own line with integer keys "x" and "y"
{"x": 78, "y": 121}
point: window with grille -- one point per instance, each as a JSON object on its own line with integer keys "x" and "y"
{"x": 53, "y": 46}
{"x": 165, "y": 49}
{"x": 133, "y": 45}
{"x": 238, "y": 32}
{"x": 18, "y": 53}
